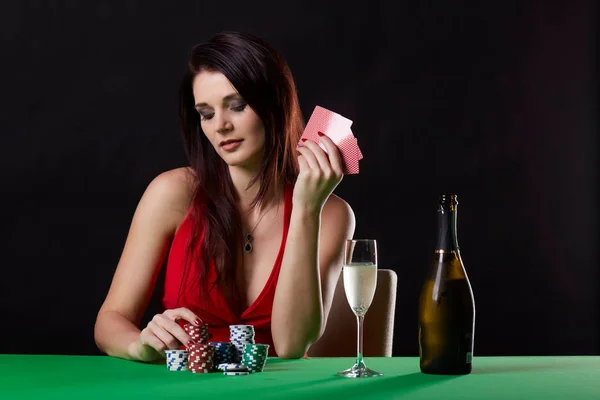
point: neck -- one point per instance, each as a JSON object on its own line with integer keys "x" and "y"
{"x": 447, "y": 238}
{"x": 241, "y": 178}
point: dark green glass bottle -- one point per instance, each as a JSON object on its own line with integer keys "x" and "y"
{"x": 446, "y": 303}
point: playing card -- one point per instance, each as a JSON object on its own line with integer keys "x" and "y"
{"x": 351, "y": 154}
{"x": 337, "y": 128}
{"x": 332, "y": 124}
{"x": 355, "y": 141}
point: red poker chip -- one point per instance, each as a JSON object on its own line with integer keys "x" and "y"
{"x": 201, "y": 352}
{"x": 201, "y": 345}
{"x": 200, "y": 365}
{"x": 198, "y": 347}
{"x": 196, "y": 328}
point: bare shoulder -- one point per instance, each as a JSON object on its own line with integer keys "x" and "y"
{"x": 169, "y": 196}
{"x": 173, "y": 189}
{"x": 338, "y": 212}
{"x": 336, "y": 206}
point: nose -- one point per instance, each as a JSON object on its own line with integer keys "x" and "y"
{"x": 222, "y": 123}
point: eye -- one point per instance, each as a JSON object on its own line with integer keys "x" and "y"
{"x": 239, "y": 108}
{"x": 205, "y": 117}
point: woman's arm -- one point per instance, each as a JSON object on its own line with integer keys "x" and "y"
{"x": 313, "y": 255}
{"x": 156, "y": 218}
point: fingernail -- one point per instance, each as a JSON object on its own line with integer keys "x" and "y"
{"x": 198, "y": 322}
{"x": 304, "y": 139}
{"x": 320, "y": 134}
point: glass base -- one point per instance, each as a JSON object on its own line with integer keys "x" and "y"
{"x": 359, "y": 371}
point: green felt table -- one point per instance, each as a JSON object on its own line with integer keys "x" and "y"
{"x": 102, "y": 377}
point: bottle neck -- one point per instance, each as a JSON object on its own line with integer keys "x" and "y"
{"x": 447, "y": 238}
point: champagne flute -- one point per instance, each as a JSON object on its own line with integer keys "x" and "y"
{"x": 360, "y": 281}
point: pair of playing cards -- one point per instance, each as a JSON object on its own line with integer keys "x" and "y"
{"x": 337, "y": 128}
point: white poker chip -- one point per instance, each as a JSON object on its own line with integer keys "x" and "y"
{"x": 232, "y": 367}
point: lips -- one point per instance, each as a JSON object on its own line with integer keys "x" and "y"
{"x": 229, "y": 141}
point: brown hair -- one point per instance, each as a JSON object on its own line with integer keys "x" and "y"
{"x": 262, "y": 77}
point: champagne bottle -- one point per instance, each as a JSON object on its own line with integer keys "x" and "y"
{"x": 446, "y": 303}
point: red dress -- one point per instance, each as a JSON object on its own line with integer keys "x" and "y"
{"x": 215, "y": 311}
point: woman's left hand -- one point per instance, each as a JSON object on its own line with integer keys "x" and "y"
{"x": 320, "y": 173}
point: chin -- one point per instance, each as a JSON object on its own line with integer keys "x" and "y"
{"x": 241, "y": 160}
{"x": 235, "y": 160}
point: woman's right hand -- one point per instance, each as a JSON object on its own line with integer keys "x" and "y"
{"x": 163, "y": 333}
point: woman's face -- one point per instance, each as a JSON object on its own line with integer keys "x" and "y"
{"x": 232, "y": 127}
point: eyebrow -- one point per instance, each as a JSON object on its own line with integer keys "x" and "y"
{"x": 225, "y": 100}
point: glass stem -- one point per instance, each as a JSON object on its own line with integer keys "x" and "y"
{"x": 359, "y": 344}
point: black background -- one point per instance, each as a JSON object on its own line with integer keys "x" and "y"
{"x": 494, "y": 101}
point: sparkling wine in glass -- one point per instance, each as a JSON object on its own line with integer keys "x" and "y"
{"x": 360, "y": 281}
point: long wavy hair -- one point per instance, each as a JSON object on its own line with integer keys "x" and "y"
{"x": 262, "y": 77}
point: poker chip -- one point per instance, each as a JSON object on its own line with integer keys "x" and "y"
{"x": 224, "y": 352}
{"x": 232, "y": 367}
{"x": 240, "y": 335}
{"x": 255, "y": 356}
{"x": 197, "y": 333}
{"x": 177, "y": 360}
{"x": 200, "y": 371}
{"x": 223, "y": 366}
{"x": 182, "y": 368}
{"x": 200, "y": 358}
{"x": 176, "y": 354}
{"x": 236, "y": 373}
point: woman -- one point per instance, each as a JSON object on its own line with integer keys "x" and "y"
{"x": 252, "y": 232}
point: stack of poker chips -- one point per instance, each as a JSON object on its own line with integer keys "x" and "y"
{"x": 201, "y": 358}
{"x": 233, "y": 369}
{"x": 198, "y": 334}
{"x": 177, "y": 360}
{"x": 255, "y": 357}
{"x": 224, "y": 352}
{"x": 240, "y": 356}
{"x": 240, "y": 335}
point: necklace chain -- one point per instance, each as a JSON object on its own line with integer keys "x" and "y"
{"x": 248, "y": 245}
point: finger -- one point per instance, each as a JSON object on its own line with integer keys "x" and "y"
{"x": 161, "y": 333}
{"x": 335, "y": 156}
{"x": 147, "y": 338}
{"x": 173, "y": 328}
{"x": 310, "y": 158}
{"x": 302, "y": 163}
{"x": 320, "y": 155}
{"x": 183, "y": 313}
